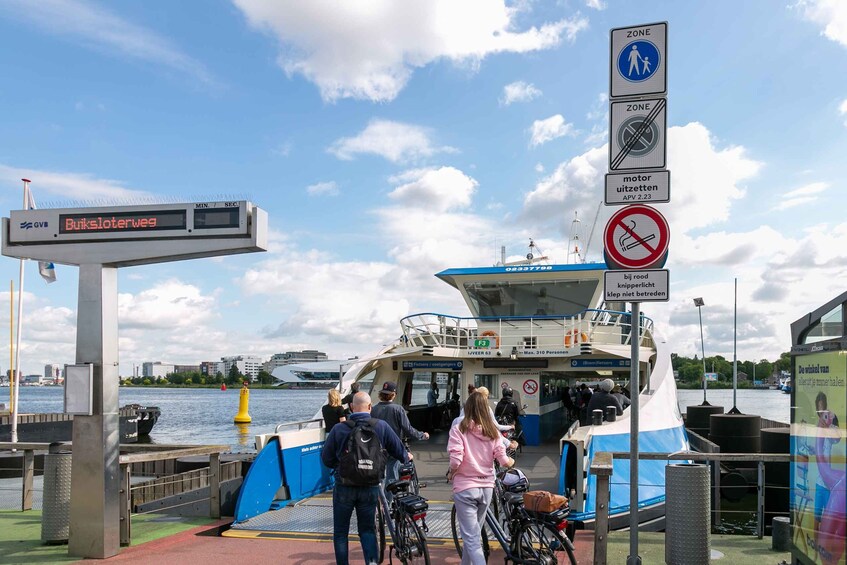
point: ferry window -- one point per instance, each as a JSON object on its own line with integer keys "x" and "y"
{"x": 485, "y": 380}
{"x": 829, "y": 327}
{"x": 554, "y": 298}
{"x": 420, "y": 386}
{"x": 366, "y": 383}
{"x": 552, "y": 386}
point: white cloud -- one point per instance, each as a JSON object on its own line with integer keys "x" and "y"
{"x": 596, "y": 4}
{"x": 842, "y": 109}
{"x": 803, "y": 195}
{"x": 439, "y": 189}
{"x": 829, "y": 14}
{"x": 94, "y": 26}
{"x": 332, "y": 44}
{"x": 519, "y": 91}
{"x": 546, "y": 130}
{"x": 323, "y": 189}
{"x": 539, "y": 168}
{"x": 395, "y": 141}
{"x": 79, "y": 187}
{"x": 168, "y": 305}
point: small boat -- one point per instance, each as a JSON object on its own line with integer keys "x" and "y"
{"x": 147, "y": 417}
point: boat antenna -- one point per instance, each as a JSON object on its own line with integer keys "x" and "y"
{"x": 574, "y": 242}
{"x": 535, "y": 255}
{"x": 591, "y": 233}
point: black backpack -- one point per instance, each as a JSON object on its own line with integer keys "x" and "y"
{"x": 362, "y": 460}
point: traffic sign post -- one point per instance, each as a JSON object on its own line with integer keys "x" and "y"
{"x": 637, "y": 134}
{"x": 638, "y": 65}
{"x": 636, "y": 187}
{"x": 636, "y": 237}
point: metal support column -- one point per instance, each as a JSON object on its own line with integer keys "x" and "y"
{"x": 635, "y": 393}
{"x": 28, "y": 473}
{"x": 215, "y": 485}
{"x": 95, "y": 478}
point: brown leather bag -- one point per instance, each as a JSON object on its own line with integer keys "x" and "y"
{"x": 543, "y": 501}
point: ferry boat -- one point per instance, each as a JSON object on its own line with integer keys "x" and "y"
{"x": 537, "y": 328}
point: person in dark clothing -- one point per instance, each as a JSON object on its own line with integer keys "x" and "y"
{"x": 332, "y": 411}
{"x": 570, "y": 408}
{"x": 509, "y": 410}
{"x": 362, "y": 499}
{"x": 395, "y": 416}
{"x": 348, "y": 398}
{"x": 584, "y": 397}
{"x": 603, "y": 398}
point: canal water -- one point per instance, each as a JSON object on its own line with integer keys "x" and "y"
{"x": 770, "y": 404}
{"x": 197, "y": 415}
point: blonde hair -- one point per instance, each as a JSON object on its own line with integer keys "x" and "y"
{"x": 333, "y": 397}
{"x": 477, "y": 412}
{"x": 484, "y": 391}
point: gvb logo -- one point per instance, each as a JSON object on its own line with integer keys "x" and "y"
{"x": 30, "y": 225}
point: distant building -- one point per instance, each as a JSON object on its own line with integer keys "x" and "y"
{"x": 156, "y": 369}
{"x": 247, "y": 365}
{"x": 292, "y": 357}
{"x": 186, "y": 368}
{"x": 211, "y": 368}
{"x": 54, "y": 373}
{"x": 35, "y": 380}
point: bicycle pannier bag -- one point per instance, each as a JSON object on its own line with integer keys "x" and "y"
{"x": 543, "y": 501}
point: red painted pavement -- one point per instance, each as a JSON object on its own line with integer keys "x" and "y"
{"x": 203, "y": 546}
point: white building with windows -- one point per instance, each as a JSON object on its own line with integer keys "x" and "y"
{"x": 156, "y": 369}
{"x": 54, "y": 373}
{"x": 247, "y": 365}
{"x": 294, "y": 357}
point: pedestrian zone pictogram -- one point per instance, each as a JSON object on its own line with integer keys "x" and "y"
{"x": 638, "y": 61}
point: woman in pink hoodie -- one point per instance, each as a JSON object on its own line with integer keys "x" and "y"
{"x": 474, "y": 444}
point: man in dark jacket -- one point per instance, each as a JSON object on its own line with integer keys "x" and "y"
{"x": 348, "y": 398}
{"x": 362, "y": 499}
{"x": 603, "y": 398}
{"x": 397, "y": 419}
{"x": 509, "y": 410}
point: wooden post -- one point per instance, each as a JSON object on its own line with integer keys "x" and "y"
{"x": 215, "y": 485}
{"x": 125, "y": 501}
{"x": 716, "y": 492}
{"x": 28, "y": 472}
{"x": 602, "y": 468}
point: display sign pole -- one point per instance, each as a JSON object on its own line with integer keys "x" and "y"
{"x": 634, "y": 393}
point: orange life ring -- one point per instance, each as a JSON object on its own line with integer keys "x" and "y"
{"x": 490, "y": 333}
{"x": 575, "y": 337}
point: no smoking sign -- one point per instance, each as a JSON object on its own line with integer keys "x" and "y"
{"x": 636, "y": 237}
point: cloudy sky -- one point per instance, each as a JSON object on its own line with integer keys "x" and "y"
{"x": 391, "y": 140}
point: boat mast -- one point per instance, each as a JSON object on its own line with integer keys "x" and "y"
{"x": 574, "y": 243}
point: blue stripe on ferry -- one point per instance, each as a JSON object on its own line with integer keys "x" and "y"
{"x": 522, "y": 269}
{"x": 651, "y": 474}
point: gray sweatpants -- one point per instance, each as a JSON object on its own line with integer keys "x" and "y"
{"x": 471, "y": 505}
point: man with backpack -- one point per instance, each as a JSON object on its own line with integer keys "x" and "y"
{"x": 356, "y": 449}
{"x": 509, "y": 410}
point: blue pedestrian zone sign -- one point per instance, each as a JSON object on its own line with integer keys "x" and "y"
{"x": 638, "y": 61}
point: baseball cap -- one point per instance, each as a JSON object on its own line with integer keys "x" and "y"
{"x": 389, "y": 386}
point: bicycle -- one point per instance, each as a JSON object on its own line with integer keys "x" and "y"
{"x": 529, "y": 538}
{"x": 404, "y": 513}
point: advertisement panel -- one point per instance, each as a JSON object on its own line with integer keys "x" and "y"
{"x": 818, "y": 438}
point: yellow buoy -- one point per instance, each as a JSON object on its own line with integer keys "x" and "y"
{"x": 243, "y": 416}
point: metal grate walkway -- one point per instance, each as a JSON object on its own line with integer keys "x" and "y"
{"x": 313, "y": 516}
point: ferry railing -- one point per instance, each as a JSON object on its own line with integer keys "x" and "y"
{"x": 606, "y": 327}
{"x": 312, "y": 423}
{"x": 601, "y": 467}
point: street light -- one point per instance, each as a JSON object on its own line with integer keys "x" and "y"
{"x": 698, "y": 302}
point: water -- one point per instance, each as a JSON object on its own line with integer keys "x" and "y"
{"x": 770, "y": 404}
{"x": 198, "y": 415}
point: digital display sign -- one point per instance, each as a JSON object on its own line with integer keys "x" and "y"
{"x": 122, "y": 221}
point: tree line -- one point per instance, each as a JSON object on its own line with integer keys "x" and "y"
{"x": 690, "y": 370}
{"x": 234, "y": 377}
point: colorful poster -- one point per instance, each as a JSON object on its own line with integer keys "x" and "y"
{"x": 818, "y": 439}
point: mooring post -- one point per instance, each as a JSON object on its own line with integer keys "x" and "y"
{"x": 602, "y": 469}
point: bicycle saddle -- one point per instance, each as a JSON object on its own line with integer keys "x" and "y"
{"x": 515, "y": 499}
{"x": 397, "y": 486}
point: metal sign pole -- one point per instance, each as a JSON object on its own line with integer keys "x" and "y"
{"x": 634, "y": 393}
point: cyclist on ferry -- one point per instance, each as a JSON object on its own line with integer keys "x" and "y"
{"x": 395, "y": 416}
{"x": 509, "y": 410}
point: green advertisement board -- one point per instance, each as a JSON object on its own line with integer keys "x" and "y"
{"x": 818, "y": 439}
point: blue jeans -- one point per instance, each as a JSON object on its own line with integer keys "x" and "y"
{"x": 364, "y": 500}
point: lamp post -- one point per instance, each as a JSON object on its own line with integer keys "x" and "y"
{"x": 698, "y": 302}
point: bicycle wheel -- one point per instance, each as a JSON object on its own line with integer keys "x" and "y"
{"x": 380, "y": 532}
{"x": 543, "y": 543}
{"x": 411, "y": 544}
{"x": 454, "y": 526}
